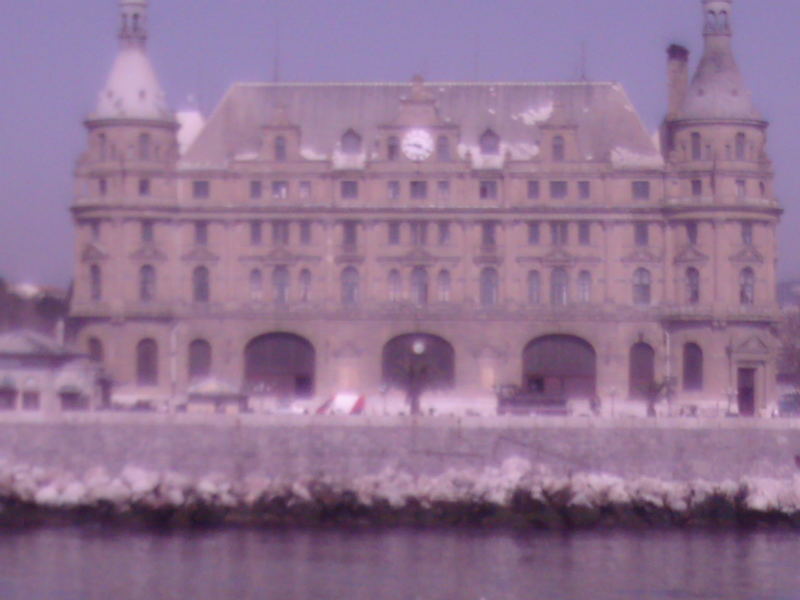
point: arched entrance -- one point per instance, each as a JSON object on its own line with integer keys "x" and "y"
{"x": 560, "y": 367}
{"x": 418, "y": 359}
{"x": 642, "y": 372}
{"x": 280, "y": 364}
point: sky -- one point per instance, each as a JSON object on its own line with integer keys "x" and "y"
{"x": 57, "y": 54}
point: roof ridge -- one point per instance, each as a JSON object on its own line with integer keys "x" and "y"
{"x": 427, "y": 83}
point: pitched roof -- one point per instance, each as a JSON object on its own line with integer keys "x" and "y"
{"x": 30, "y": 343}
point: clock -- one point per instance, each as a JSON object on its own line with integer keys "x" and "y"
{"x": 417, "y": 145}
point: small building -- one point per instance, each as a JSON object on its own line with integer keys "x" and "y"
{"x": 212, "y": 395}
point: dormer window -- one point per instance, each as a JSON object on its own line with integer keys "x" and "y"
{"x": 559, "y": 148}
{"x": 443, "y": 148}
{"x": 490, "y": 142}
{"x": 351, "y": 142}
{"x": 392, "y": 148}
{"x": 281, "y": 153}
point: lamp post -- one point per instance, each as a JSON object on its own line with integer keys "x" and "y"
{"x": 416, "y": 374}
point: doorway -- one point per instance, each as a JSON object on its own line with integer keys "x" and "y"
{"x": 746, "y": 385}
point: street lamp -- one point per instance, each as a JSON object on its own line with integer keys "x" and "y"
{"x": 417, "y": 373}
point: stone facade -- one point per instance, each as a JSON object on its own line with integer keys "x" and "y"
{"x": 298, "y": 241}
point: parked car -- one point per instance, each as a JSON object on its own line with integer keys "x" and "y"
{"x": 513, "y": 400}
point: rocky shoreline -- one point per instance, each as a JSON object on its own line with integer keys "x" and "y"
{"x": 516, "y": 494}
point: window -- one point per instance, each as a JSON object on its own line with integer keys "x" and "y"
{"x": 419, "y": 190}
{"x": 641, "y": 287}
{"x": 147, "y": 283}
{"x": 584, "y": 287}
{"x": 444, "y": 284}
{"x": 692, "y": 367}
{"x": 584, "y": 190}
{"x": 256, "y": 190}
{"x": 31, "y": 400}
{"x": 201, "y": 190}
{"x": 147, "y": 232}
{"x": 351, "y": 142}
{"x": 304, "y": 191}
{"x": 697, "y": 146}
{"x": 487, "y": 189}
{"x": 641, "y": 190}
{"x": 741, "y": 188}
{"x": 95, "y": 283}
{"x": 419, "y": 233}
{"x": 280, "y": 233}
{"x": 490, "y": 142}
{"x": 393, "y": 190}
{"x": 199, "y": 359}
{"x": 350, "y": 282}
{"x": 393, "y": 229}
{"x": 280, "y": 285}
{"x": 419, "y": 286}
{"x": 201, "y": 233}
{"x": 559, "y": 286}
{"x": 584, "y": 233}
{"x": 697, "y": 187}
{"x": 201, "y": 289}
{"x": 559, "y": 233}
{"x": 305, "y": 285}
{"x": 443, "y": 190}
{"x": 747, "y": 287}
{"x": 147, "y": 362}
{"x": 305, "y": 232}
{"x": 144, "y": 187}
{"x": 747, "y": 233}
{"x": 444, "y": 233}
{"x": 559, "y": 151}
{"x": 145, "y": 146}
{"x": 558, "y": 189}
{"x": 94, "y": 229}
{"x": 349, "y": 190}
{"x": 350, "y": 233}
{"x": 641, "y": 235}
{"x": 691, "y": 232}
{"x": 692, "y": 286}
{"x": 395, "y": 284}
{"x": 280, "y": 190}
{"x": 741, "y": 143}
{"x": 533, "y": 233}
{"x": 762, "y": 189}
{"x": 488, "y": 234}
{"x": 281, "y": 153}
{"x": 534, "y": 288}
{"x": 255, "y": 233}
{"x": 256, "y": 284}
{"x": 392, "y": 148}
{"x": 489, "y": 287}
{"x": 102, "y": 146}
{"x": 102, "y": 187}
{"x": 533, "y": 190}
{"x": 96, "y": 350}
{"x": 443, "y": 148}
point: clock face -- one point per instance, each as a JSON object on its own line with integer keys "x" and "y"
{"x": 417, "y": 144}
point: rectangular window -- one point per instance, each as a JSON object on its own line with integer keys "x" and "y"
{"x": 419, "y": 190}
{"x": 584, "y": 233}
{"x": 256, "y": 190}
{"x": 30, "y": 400}
{"x": 349, "y": 190}
{"x": 147, "y": 232}
{"x": 102, "y": 187}
{"x": 144, "y": 187}
{"x": 304, "y": 191}
{"x": 697, "y": 187}
{"x": 394, "y": 233}
{"x": 747, "y": 233}
{"x": 94, "y": 230}
{"x": 305, "y": 232}
{"x": 201, "y": 190}
{"x": 559, "y": 233}
{"x": 741, "y": 188}
{"x": 393, "y": 190}
{"x": 487, "y": 189}
{"x": 350, "y": 233}
{"x": 641, "y": 234}
{"x": 641, "y": 190}
{"x": 558, "y": 189}
{"x": 488, "y": 237}
{"x": 419, "y": 233}
{"x": 443, "y": 190}
{"x": 533, "y": 190}
{"x": 201, "y": 233}
{"x": 533, "y": 233}
{"x": 691, "y": 232}
{"x": 280, "y": 232}
{"x": 444, "y": 233}
{"x": 584, "y": 190}
{"x": 280, "y": 190}
{"x": 255, "y": 233}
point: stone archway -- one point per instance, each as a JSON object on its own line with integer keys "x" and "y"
{"x": 280, "y": 364}
{"x": 423, "y": 356}
{"x": 560, "y": 367}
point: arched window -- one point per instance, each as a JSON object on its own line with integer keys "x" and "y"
{"x": 280, "y": 285}
{"x": 692, "y": 285}
{"x": 281, "y": 154}
{"x": 145, "y": 145}
{"x": 641, "y": 287}
{"x": 147, "y": 362}
{"x": 256, "y": 284}
{"x": 96, "y": 352}
{"x": 741, "y": 146}
{"x": 392, "y": 148}
{"x": 489, "y": 287}
{"x": 490, "y": 142}
{"x": 199, "y": 359}
{"x": 444, "y": 283}
{"x": 147, "y": 283}
{"x": 559, "y": 285}
{"x": 584, "y": 287}
{"x": 697, "y": 146}
{"x": 443, "y": 148}
{"x": 747, "y": 287}
{"x": 201, "y": 287}
{"x": 350, "y": 284}
{"x": 559, "y": 148}
{"x": 305, "y": 285}
{"x": 534, "y": 287}
{"x": 692, "y": 367}
{"x": 95, "y": 283}
{"x": 351, "y": 142}
{"x": 419, "y": 286}
{"x": 395, "y": 285}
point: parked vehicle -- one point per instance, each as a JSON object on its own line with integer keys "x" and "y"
{"x": 513, "y": 400}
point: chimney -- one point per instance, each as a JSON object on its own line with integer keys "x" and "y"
{"x": 677, "y": 77}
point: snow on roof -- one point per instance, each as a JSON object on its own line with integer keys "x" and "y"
{"x": 191, "y": 123}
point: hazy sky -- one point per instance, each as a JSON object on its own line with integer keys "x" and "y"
{"x": 56, "y": 55}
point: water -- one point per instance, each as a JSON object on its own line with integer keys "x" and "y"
{"x": 91, "y": 564}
